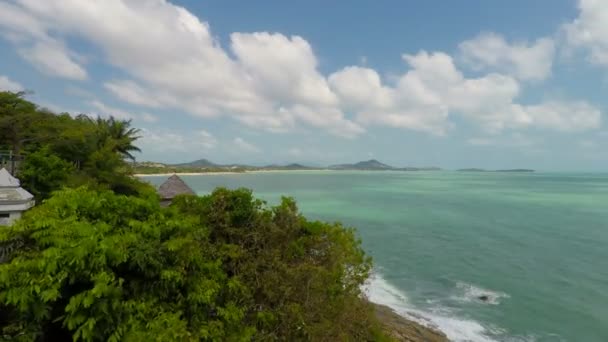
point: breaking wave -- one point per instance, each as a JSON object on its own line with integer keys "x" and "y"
{"x": 457, "y": 329}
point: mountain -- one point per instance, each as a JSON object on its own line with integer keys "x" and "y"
{"x": 371, "y": 164}
{"x": 198, "y": 163}
{"x": 202, "y": 165}
{"x": 292, "y": 166}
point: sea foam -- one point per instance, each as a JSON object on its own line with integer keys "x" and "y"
{"x": 471, "y": 293}
{"x": 380, "y": 291}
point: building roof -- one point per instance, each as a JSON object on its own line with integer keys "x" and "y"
{"x": 7, "y": 181}
{"x": 174, "y": 186}
{"x": 13, "y": 197}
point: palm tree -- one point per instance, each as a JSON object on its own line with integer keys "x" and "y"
{"x": 120, "y": 134}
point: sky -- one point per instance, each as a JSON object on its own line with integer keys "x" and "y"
{"x": 454, "y": 84}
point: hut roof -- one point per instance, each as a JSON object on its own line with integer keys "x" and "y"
{"x": 11, "y": 193}
{"x": 7, "y": 181}
{"x": 174, "y": 186}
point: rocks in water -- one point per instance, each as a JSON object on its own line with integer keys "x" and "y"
{"x": 484, "y": 298}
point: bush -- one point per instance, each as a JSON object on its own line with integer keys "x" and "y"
{"x": 93, "y": 265}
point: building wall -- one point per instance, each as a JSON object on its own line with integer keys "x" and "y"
{"x": 12, "y": 217}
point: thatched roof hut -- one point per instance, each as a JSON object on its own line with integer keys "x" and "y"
{"x": 172, "y": 187}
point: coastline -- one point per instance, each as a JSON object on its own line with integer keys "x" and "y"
{"x": 403, "y": 329}
{"x": 395, "y": 325}
{"x": 167, "y": 174}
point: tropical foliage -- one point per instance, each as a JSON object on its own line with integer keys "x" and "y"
{"x": 99, "y": 259}
{"x": 61, "y": 150}
{"x": 225, "y": 267}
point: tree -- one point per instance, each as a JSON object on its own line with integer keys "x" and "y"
{"x": 43, "y": 172}
{"x": 119, "y": 135}
{"x": 94, "y": 265}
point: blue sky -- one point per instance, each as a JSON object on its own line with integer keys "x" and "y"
{"x": 452, "y": 84}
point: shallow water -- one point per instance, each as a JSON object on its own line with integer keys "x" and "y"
{"x": 535, "y": 243}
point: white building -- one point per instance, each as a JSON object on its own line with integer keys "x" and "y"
{"x": 14, "y": 200}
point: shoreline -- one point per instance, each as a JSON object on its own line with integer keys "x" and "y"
{"x": 403, "y": 329}
{"x": 223, "y": 172}
{"x": 397, "y": 326}
{"x": 166, "y": 174}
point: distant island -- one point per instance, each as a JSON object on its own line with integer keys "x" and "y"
{"x": 207, "y": 166}
{"x": 374, "y": 165}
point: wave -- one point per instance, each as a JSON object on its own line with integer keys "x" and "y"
{"x": 471, "y": 293}
{"x": 457, "y": 329}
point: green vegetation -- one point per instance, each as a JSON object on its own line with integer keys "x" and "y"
{"x": 59, "y": 150}
{"x": 206, "y": 166}
{"x": 99, "y": 259}
{"x": 99, "y": 266}
{"x": 147, "y": 168}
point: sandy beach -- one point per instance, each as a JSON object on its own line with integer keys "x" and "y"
{"x": 222, "y": 173}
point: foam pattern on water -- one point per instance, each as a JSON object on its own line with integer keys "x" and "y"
{"x": 472, "y": 293}
{"x": 457, "y": 329}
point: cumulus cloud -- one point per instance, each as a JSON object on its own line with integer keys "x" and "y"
{"x": 282, "y": 68}
{"x": 7, "y": 84}
{"x": 410, "y": 104}
{"x": 590, "y": 30}
{"x": 526, "y": 61}
{"x": 272, "y": 81}
{"x": 433, "y": 88}
{"x": 564, "y": 116}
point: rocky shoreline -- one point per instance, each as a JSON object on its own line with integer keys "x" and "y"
{"x": 405, "y": 330}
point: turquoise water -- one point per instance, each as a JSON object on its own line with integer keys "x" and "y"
{"x": 535, "y": 244}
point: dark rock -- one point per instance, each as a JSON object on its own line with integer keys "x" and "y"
{"x": 484, "y": 298}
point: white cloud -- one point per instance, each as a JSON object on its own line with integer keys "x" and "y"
{"x": 590, "y": 30}
{"x": 272, "y": 81}
{"x": 282, "y": 68}
{"x": 433, "y": 88}
{"x": 564, "y": 116}
{"x": 163, "y": 141}
{"x": 104, "y": 110}
{"x": 409, "y": 105}
{"x": 36, "y": 46}
{"x": 6, "y": 84}
{"x": 131, "y": 92}
{"x": 206, "y": 139}
{"x": 178, "y": 64}
{"x": 526, "y": 61}
{"x": 52, "y": 58}
{"x": 245, "y": 146}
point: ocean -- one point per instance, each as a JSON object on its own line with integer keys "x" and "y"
{"x": 536, "y": 244}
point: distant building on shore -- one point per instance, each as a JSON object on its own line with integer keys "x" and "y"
{"x": 14, "y": 200}
{"x": 172, "y": 187}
